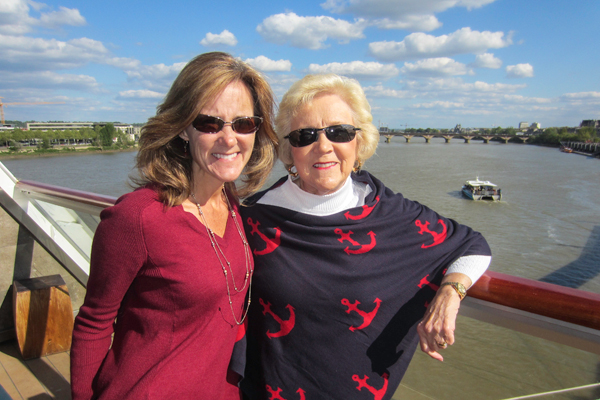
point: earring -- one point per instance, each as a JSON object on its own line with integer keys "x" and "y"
{"x": 292, "y": 171}
{"x": 185, "y": 145}
{"x": 357, "y": 166}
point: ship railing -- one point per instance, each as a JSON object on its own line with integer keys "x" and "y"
{"x": 64, "y": 220}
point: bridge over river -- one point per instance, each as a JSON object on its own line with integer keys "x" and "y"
{"x": 467, "y": 137}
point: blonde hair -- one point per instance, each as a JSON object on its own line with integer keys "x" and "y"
{"x": 305, "y": 90}
{"x": 161, "y": 160}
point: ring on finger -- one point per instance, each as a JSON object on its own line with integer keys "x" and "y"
{"x": 443, "y": 345}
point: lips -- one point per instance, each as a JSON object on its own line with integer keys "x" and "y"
{"x": 324, "y": 165}
{"x": 225, "y": 156}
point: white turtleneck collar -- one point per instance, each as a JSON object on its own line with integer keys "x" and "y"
{"x": 289, "y": 195}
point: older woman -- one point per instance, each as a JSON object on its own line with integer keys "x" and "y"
{"x": 345, "y": 268}
{"x": 170, "y": 261}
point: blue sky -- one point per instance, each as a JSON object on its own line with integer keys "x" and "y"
{"x": 422, "y": 63}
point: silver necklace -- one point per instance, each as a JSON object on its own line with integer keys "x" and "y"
{"x": 221, "y": 257}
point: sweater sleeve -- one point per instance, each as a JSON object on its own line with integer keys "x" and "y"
{"x": 472, "y": 266}
{"x": 118, "y": 253}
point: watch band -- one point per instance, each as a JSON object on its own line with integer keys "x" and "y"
{"x": 458, "y": 287}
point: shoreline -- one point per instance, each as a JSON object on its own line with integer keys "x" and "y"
{"x": 5, "y": 155}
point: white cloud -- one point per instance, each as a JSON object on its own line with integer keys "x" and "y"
{"x": 15, "y": 18}
{"x": 48, "y": 80}
{"x": 581, "y": 96}
{"x": 395, "y": 8}
{"x": 432, "y": 67}
{"x": 410, "y": 23}
{"x": 419, "y": 45}
{"x": 157, "y": 76}
{"x": 25, "y": 53}
{"x": 413, "y": 15}
{"x": 308, "y": 32}
{"x": 487, "y": 60}
{"x": 123, "y": 63}
{"x": 457, "y": 86}
{"x": 357, "y": 69}
{"x": 265, "y": 64}
{"x": 519, "y": 71}
{"x": 66, "y": 16}
{"x": 382, "y": 91}
{"x": 224, "y": 38}
{"x": 140, "y": 94}
{"x": 439, "y": 104}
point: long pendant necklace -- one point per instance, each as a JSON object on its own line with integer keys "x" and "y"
{"x": 221, "y": 257}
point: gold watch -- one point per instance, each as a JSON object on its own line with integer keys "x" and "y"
{"x": 459, "y": 287}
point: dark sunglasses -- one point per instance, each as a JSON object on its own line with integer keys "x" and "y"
{"x": 336, "y": 133}
{"x": 209, "y": 124}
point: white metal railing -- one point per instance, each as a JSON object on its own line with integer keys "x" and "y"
{"x": 62, "y": 220}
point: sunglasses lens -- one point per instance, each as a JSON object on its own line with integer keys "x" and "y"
{"x": 207, "y": 124}
{"x": 302, "y": 137}
{"x": 340, "y": 133}
{"x": 246, "y": 124}
{"x": 335, "y": 133}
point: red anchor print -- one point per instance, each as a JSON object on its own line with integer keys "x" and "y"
{"x": 438, "y": 238}
{"x": 425, "y": 282}
{"x": 367, "y": 316}
{"x": 286, "y": 326}
{"x": 364, "y": 248}
{"x": 272, "y": 244}
{"x": 366, "y": 210}
{"x": 362, "y": 383}
{"x": 276, "y": 394}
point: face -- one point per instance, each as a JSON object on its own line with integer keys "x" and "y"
{"x": 323, "y": 166}
{"x": 220, "y": 157}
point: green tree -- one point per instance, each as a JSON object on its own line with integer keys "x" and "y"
{"x": 549, "y": 136}
{"x": 586, "y": 133}
{"x": 497, "y": 131}
{"x": 45, "y": 145}
{"x": 5, "y": 137}
{"x": 106, "y": 135}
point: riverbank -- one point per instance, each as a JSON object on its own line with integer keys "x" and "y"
{"x": 6, "y": 154}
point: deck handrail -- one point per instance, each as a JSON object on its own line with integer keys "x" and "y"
{"x": 550, "y": 300}
{"x": 57, "y": 192}
{"x": 567, "y": 305}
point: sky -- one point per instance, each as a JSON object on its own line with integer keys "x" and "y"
{"x": 421, "y": 63}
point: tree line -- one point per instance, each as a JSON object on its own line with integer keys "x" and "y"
{"x": 102, "y": 137}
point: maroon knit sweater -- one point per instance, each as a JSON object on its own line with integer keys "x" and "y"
{"x": 154, "y": 270}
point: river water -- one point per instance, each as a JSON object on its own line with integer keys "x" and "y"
{"x": 547, "y": 227}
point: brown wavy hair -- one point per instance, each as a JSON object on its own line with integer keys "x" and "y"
{"x": 161, "y": 161}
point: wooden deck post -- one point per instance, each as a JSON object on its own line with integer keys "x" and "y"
{"x": 43, "y": 316}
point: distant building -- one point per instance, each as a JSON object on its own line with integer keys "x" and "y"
{"x": 592, "y": 123}
{"x": 457, "y": 128}
{"x": 58, "y": 126}
{"x": 133, "y": 132}
{"x": 523, "y": 125}
{"x": 535, "y": 125}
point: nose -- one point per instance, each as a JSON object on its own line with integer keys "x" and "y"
{"x": 228, "y": 134}
{"x": 323, "y": 144}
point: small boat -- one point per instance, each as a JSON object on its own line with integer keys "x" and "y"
{"x": 481, "y": 190}
{"x": 566, "y": 149}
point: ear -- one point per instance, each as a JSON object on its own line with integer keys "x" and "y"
{"x": 184, "y": 135}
